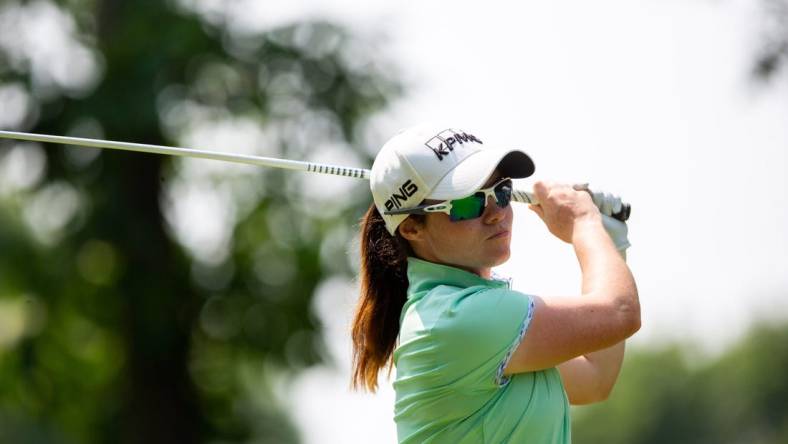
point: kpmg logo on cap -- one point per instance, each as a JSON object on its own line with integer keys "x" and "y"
{"x": 446, "y": 139}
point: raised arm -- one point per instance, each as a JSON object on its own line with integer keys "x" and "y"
{"x": 607, "y": 311}
{"x": 590, "y": 377}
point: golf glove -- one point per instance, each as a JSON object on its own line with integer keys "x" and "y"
{"x": 617, "y": 231}
{"x": 610, "y": 204}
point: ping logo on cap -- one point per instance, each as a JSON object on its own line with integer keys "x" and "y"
{"x": 404, "y": 192}
{"x": 446, "y": 139}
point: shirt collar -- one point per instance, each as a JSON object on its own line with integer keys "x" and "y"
{"x": 424, "y": 276}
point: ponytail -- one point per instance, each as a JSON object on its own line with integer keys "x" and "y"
{"x": 384, "y": 284}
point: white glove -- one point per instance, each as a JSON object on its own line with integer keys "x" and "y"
{"x": 618, "y": 233}
{"x": 608, "y": 204}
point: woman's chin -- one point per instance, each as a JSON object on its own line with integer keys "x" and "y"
{"x": 499, "y": 257}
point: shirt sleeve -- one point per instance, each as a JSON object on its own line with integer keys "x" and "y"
{"x": 479, "y": 333}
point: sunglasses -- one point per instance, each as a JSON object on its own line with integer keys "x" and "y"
{"x": 466, "y": 208}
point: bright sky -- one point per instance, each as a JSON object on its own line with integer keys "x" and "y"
{"x": 650, "y": 99}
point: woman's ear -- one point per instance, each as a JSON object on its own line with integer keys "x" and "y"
{"x": 411, "y": 230}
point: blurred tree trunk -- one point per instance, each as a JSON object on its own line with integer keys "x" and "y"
{"x": 160, "y": 404}
{"x": 158, "y": 312}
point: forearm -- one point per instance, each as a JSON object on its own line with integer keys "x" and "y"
{"x": 590, "y": 378}
{"x": 605, "y": 274}
{"x": 607, "y": 363}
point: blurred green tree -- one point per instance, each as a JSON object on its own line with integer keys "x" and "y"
{"x": 773, "y": 51}
{"x": 741, "y": 397}
{"x": 113, "y": 326}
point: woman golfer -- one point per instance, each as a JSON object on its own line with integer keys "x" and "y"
{"x": 477, "y": 362}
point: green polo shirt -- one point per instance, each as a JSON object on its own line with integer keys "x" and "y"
{"x": 457, "y": 333}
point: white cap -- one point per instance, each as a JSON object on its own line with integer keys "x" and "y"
{"x": 435, "y": 162}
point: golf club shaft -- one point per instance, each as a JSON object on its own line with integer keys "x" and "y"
{"x": 188, "y": 152}
{"x": 360, "y": 173}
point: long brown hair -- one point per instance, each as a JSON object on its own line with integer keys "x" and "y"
{"x": 384, "y": 284}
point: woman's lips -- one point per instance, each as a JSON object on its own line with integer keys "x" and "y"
{"x": 502, "y": 233}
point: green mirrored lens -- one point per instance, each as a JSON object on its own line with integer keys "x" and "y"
{"x": 467, "y": 208}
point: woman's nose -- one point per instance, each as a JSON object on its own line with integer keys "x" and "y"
{"x": 492, "y": 212}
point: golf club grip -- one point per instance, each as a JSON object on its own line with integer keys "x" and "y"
{"x": 359, "y": 173}
{"x": 527, "y": 197}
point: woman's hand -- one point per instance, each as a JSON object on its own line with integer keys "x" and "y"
{"x": 606, "y": 312}
{"x": 561, "y": 207}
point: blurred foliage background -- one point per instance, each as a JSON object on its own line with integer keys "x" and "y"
{"x": 676, "y": 395}
{"x": 121, "y": 320}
